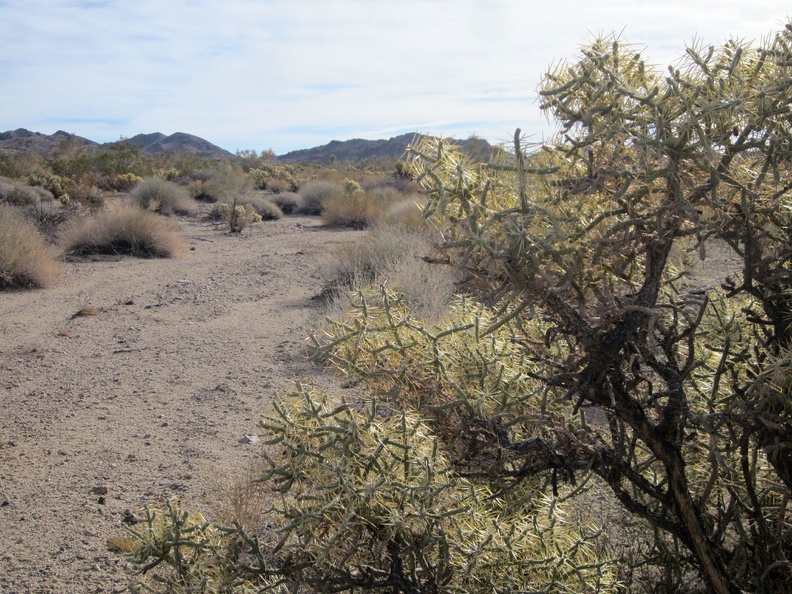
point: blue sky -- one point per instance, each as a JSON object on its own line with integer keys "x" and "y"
{"x": 290, "y": 74}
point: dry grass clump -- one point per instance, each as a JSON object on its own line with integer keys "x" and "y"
{"x": 167, "y": 198}
{"x": 405, "y": 212}
{"x": 26, "y": 262}
{"x": 315, "y": 193}
{"x": 392, "y": 255}
{"x": 126, "y": 230}
{"x": 357, "y": 210}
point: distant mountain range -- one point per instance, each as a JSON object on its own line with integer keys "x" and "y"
{"x": 355, "y": 150}
{"x": 358, "y": 150}
{"x": 48, "y": 145}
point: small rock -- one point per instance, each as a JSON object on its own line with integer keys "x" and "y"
{"x": 250, "y": 439}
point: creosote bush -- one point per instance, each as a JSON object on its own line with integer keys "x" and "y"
{"x": 126, "y": 230}
{"x": 26, "y": 262}
{"x": 167, "y": 198}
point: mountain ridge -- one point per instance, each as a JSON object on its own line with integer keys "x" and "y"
{"x": 354, "y": 150}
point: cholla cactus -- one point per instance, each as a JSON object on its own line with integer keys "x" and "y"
{"x": 238, "y": 216}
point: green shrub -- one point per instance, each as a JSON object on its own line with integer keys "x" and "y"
{"x": 315, "y": 193}
{"x": 25, "y": 259}
{"x": 126, "y": 230}
{"x": 159, "y": 195}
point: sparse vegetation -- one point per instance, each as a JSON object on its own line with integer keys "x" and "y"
{"x": 125, "y": 230}
{"x": 167, "y": 198}
{"x": 26, "y": 262}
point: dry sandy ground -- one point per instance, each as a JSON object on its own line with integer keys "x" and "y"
{"x": 151, "y": 397}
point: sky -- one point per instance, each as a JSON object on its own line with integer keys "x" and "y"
{"x": 289, "y": 74}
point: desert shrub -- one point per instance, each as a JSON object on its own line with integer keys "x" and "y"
{"x": 278, "y": 186}
{"x": 385, "y": 195}
{"x": 224, "y": 184}
{"x": 125, "y": 182}
{"x": 126, "y": 230}
{"x": 274, "y": 177}
{"x": 315, "y": 193}
{"x": 20, "y": 195}
{"x": 407, "y": 212}
{"x": 399, "y": 256}
{"x": 55, "y": 184}
{"x": 288, "y": 202}
{"x": 26, "y": 261}
{"x": 162, "y": 196}
{"x": 238, "y": 215}
{"x": 48, "y": 215}
{"x": 357, "y": 210}
{"x": 19, "y": 166}
{"x": 87, "y": 195}
{"x": 264, "y": 206}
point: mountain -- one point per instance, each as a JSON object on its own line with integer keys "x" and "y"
{"x": 358, "y": 149}
{"x": 46, "y": 145}
{"x": 180, "y": 142}
{"x": 51, "y": 145}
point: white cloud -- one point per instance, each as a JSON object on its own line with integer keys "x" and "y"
{"x": 288, "y": 74}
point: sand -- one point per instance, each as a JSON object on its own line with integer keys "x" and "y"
{"x": 132, "y": 381}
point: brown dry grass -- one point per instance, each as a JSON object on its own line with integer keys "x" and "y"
{"x": 358, "y": 210}
{"x": 26, "y": 262}
{"x": 125, "y": 230}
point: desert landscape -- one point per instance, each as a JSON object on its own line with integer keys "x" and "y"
{"x": 131, "y": 381}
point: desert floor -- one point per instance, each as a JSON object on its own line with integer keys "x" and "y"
{"x": 154, "y": 394}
